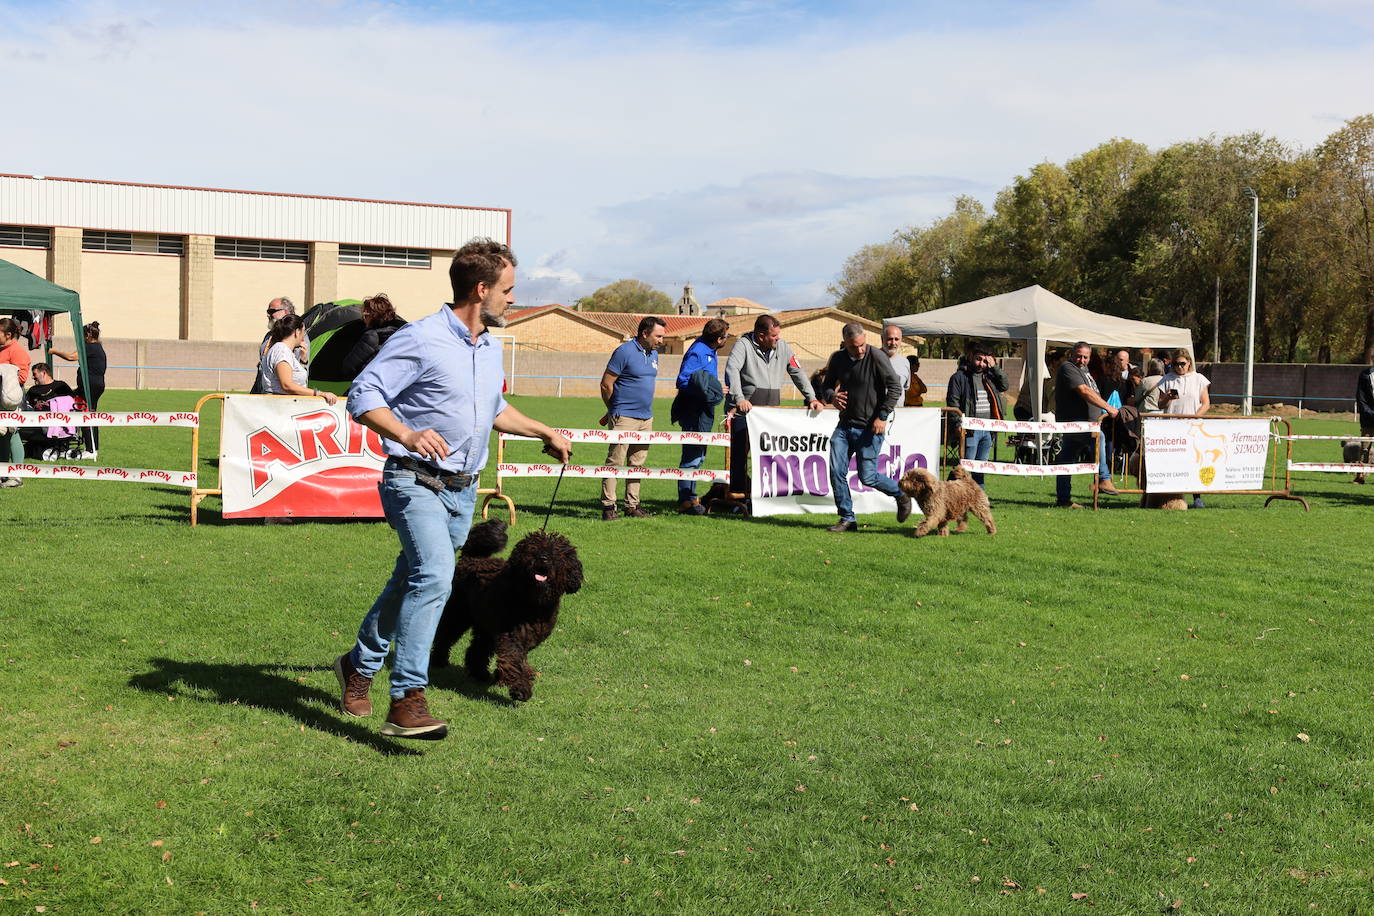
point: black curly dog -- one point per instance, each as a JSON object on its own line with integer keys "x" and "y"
{"x": 510, "y": 605}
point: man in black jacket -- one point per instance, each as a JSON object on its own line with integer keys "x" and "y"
{"x": 862, "y": 384}
{"x": 1364, "y": 408}
{"x": 976, "y": 390}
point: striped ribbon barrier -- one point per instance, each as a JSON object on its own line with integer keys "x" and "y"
{"x": 652, "y": 436}
{"x": 506, "y": 468}
{"x": 1332, "y": 467}
{"x": 80, "y": 472}
{"x": 96, "y": 418}
{"x": 30, "y": 418}
{"x": 1030, "y": 427}
{"x": 1027, "y": 470}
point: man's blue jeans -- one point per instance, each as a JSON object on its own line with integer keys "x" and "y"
{"x": 1075, "y": 449}
{"x": 977, "y": 447}
{"x": 693, "y": 457}
{"x": 431, "y": 526}
{"x": 850, "y": 440}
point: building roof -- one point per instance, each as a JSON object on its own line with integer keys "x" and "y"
{"x": 737, "y": 302}
{"x": 122, "y": 206}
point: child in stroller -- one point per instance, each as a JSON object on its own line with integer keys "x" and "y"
{"x": 51, "y": 443}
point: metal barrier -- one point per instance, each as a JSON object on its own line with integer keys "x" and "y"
{"x": 606, "y": 437}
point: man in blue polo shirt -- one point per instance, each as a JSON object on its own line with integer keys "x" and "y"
{"x": 627, "y": 387}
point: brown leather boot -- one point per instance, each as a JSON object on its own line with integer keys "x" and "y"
{"x": 409, "y": 718}
{"x": 355, "y": 687}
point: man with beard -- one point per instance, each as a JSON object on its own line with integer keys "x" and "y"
{"x": 892, "y": 345}
{"x": 627, "y": 388}
{"x": 434, "y": 395}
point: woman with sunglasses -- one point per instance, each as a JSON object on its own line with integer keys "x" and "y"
{"x": 1184, "y": 391}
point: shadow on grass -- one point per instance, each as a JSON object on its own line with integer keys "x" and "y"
{"x": 261, "y": 687}
{"x": 454, "y": 678}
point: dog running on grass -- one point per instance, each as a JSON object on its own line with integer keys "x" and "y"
{"x": 510, "y": 605}
{"x": 944, "y": 501}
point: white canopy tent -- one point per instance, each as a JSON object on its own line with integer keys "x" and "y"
{"x": 1039, "y": 317}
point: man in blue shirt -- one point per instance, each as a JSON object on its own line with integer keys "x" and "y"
{"x": 694, "y": 408}
{"x": 433, "y": 394}
{"x": 627, "y": 387}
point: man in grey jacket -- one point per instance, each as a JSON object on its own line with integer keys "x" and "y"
{"x": 753, "y": 378}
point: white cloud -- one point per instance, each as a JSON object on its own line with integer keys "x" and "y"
{"x": 753, "y": 164}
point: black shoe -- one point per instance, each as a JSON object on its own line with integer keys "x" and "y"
{"x": 903, "y": 507}
{"x": 841, "y": 527}
{"x": 609, "y": 515}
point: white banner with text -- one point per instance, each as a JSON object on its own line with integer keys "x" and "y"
{"x": 1205, "y": 454}
{"x": 790, "y": 458}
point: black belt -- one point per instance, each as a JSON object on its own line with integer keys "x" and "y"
{"x": 437, "y": 479}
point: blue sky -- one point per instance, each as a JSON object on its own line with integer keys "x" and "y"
{"x": 746, "y": 146}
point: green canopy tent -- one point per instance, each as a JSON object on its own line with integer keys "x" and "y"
{"x": 22, "y": 293}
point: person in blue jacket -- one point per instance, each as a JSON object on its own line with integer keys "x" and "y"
{"x": 694, "y": 408}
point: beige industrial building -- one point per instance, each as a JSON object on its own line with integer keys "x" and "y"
{"x": 158, "y": 262}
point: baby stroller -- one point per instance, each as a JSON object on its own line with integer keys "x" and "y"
{"x": 1035, "y": 448}
{"x": 54, "y": 443}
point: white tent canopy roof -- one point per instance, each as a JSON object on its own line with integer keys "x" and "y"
{"x": 1035, "y": 313}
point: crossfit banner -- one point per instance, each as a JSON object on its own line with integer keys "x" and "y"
{"x": 790, "y": 458}
{"x": 1205, "y": 455}
{"x": 284, "y": 456}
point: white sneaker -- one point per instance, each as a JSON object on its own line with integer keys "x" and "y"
{"x": 11, "y": 482}
{"x": 88, "y": 456}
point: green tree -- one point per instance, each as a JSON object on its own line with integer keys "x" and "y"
{"x": 1345, "y": 185}
{"x": 628, "y": 296}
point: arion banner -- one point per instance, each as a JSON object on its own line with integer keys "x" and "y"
{"x": 790, "y": 458}
{"x": 1208, "y": 454}
{"x": 284, "y": 456}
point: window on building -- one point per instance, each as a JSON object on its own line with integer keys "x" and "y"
{"x": 25, "y": 237}
{"x": 262, "y": 250}
{"x": 384, "y": 257}
{"x": 133, "y": 242}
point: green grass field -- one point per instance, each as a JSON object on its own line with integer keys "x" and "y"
{"x": 1131, "y": 711}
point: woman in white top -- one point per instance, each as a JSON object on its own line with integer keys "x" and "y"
{"x": 280, "y": 370}
{"x": 1184, "y": 390}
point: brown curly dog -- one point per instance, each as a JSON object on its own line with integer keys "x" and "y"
{"x": 510, "y": 605}
{"x": 944, "y": 501}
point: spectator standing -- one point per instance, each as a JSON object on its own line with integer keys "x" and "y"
{"x": 694, "y": 408}
{"x": 1184, "y": 391}
{"x": 281, "y": 371}
{"x": 96, "y": 364}
{"x": 1364, "y": 408}
{"x": 279, "y": 307}
{"x": 892, "y": 344}
{"x": 434, "y": 395}
{"x": 12, "y": 349}
{"x": 863, "y": 386}
{"x": 976, "y": 389}
{"x": 916, "y": 393}
{"x": 1147, "y": 392}
{"x": 754, "y": 374}
{"x": 380, "y": 321}
{"x": 11, "y": 443}
{"x": 1076, "y": 398}
{"x": 627, "y": 388}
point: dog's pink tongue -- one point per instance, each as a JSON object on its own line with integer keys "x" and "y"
{"x": 540, "y": 577}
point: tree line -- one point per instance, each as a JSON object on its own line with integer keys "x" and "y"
{"x": 1162, "y": 236}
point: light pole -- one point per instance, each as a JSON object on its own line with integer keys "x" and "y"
{"x": 1247, "y": 402}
